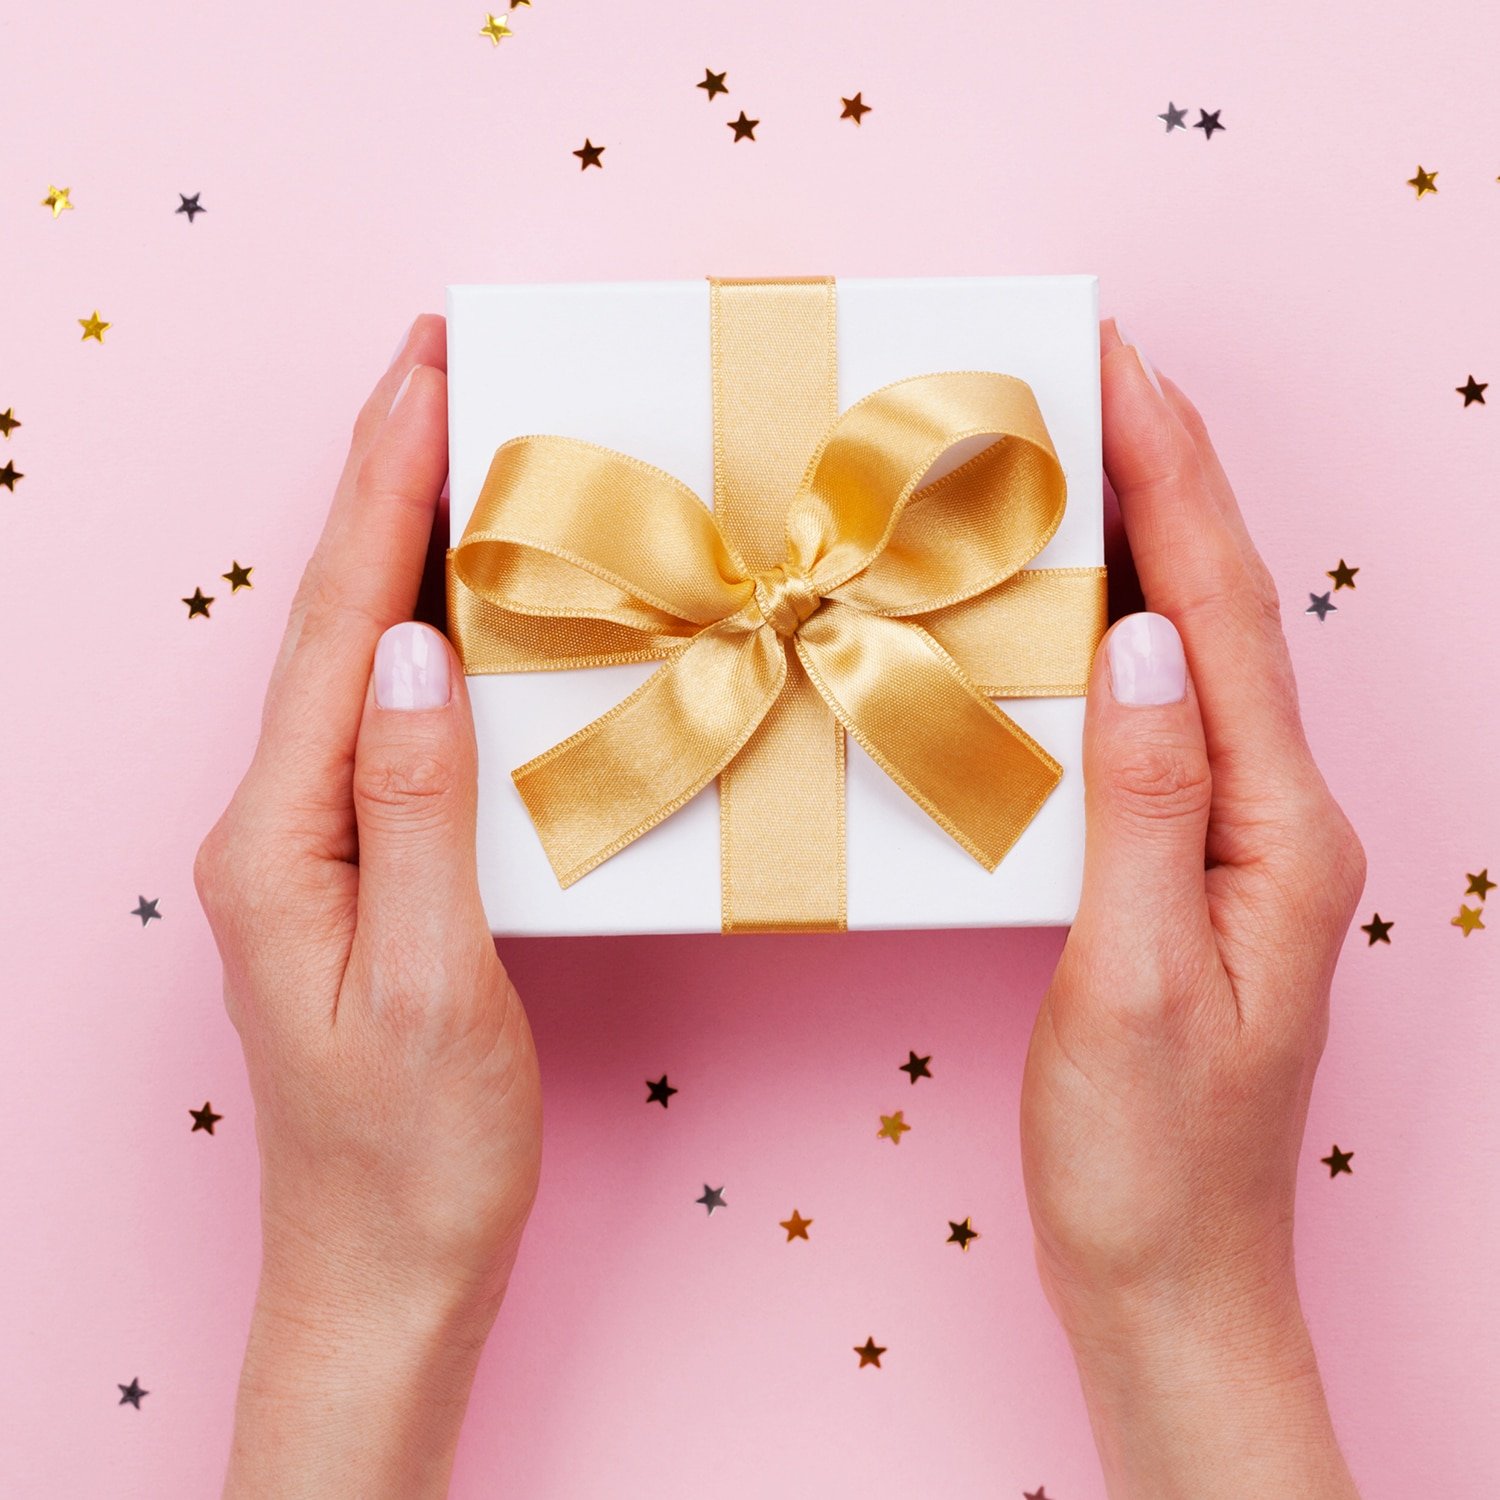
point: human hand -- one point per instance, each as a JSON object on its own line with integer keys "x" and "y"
{"x": 1167, "y": 1082}
{"x": 398, "y": 1107}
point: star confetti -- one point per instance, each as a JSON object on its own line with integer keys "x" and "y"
{"x": 9, "y": 474}
{"x": 8, "y": 423}
{"x": 712, "y": 1198}
{"x": 204, "y": 1119}
{"x": 198, "y": 604}
{"x": 57, "y": 199}
{"x": 93, "y": 328}
{"x": 1480, "y": 885}
{"x": 516, "y": 4}
{"x": 1338, "y": 1162}
{"x": 1424, "y": 182}
{"x": 660, "y": 1092}
{"x": 743, "y": 128}
{"x": 146, "y": 910}
{"x": 1322, "y": 605}
{"x": 190, "y": 206}
{"x": 962, "y": 1234}
{"x": 1472, "y": 391}
{"x": 796, "y": 1227}
{"x": 588, "y": 155}
{"x": 869, "y": 1353}
{"x": 1208, "y": 122}
{"x": 131, "y": 1394}
{"x": 713, "y": 83}
{"x": 1470, "y": 919}
{"x": 1380, "y": 932}
{"x": 917, "y": 1066}
{"x": 237, "y": 578}
{"x": 855, "y": 109}
{"x": 1176, "y": 118}
{"x": 1040, "y": 1493}
{"x": 494, "y": 28}
{"x": 892, "y": 1126}
{"x": 1343, "y": 576}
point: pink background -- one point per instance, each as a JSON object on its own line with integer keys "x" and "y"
{"x": 352, "y": 159}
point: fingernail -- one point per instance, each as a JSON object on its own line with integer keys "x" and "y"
{"x": 1146, "y": 664}
{"x": 1146, "y": 365}
{"x": 405, "y": 340}
{"x": 411, "y": 668}
{"x": 401, "y": 389}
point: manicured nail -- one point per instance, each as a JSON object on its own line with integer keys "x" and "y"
{"x": 405, "y": 340}
{"x": 1146, "y": 365}
{"x": 1146, "y": 664}
{"x": 411, "y": 668}
{"x": 401, "y": 389}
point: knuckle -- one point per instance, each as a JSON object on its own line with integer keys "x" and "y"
{"x": 405, "y": 785}
{"x": 1159, "y": 781}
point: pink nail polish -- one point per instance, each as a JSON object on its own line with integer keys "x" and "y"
{"x": 411, "y": 668}
{"x": 1146, "y": 664}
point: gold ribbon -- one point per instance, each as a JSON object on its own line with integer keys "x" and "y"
{"x": 865, "y": 605}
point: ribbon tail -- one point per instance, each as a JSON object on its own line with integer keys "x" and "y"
{"x": 620, "y": 776}
{"x": 969, "y": 766}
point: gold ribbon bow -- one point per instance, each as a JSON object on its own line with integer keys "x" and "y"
{"x": 863, "y": 604}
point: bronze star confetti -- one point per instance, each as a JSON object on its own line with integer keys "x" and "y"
{"x": 238, "y": 578}
{"x": 1209, "y": 122}
{"x": 588, "y": 154}
{"x": 146, "y": 910}
{"x": 198, "y": 604}
{"x": 1480, "y": 885}
{"x": 132, "y": 1393}
{"x": 1472, "y": 390}
{"x": 659, "y": 1092}
{"x": 796, "y": 1227}
{"x": 1338, "y": 1162}
{"x": 855, "y": 109}
{"x": 190, "y": 206}
{"x": 93, "y": 328}
{"x": 8, "y": 423}
{"x": 205, "y": 1118}
{"x": 917, "y": 1066}
{"x": 57, "y": 199}
{"x": 9, "y": 475}
{"x": 1424, "y": 182}
{"x": 962, "y": 1234}
{"x": 1343, "y": 576}
{"x": 869, "y": 1353}
{"x": 494, "y": 28}
{"x": 743, "y": 128}
{"x": 712, "y": 1198}
{"x": 1380, "y": 932}
{"x": 1470, "y": 919}
{"x": 1176, "y": 118}
{"x": 713, "y": 83}
{"x": 1322, "y": 606}
{"x": 892, "y": 1126}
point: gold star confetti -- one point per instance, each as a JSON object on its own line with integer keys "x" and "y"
{"x": 198, "y": 604}
{"x": 714, "y": 82}
{"x": 892, "y": 1126}
{"x": 743, "y": 128}
{"x": 1343, "y": 575}
{"x": 494, "y": 28}
{"x": 589, "y": 155}
{"x": 1480, "y": 885}
{"x": 1424, "y": 182}
{"x": 1470, "y": 919}
{"x": 515, "y": 3}
{"x": 855, "y": 109}
{"x": 1380, "y": 932}
{"x": 8, "y": 476}
{"x": 1338, "y": 1162}
{"x": 1472, "y": 390}
{"x": 57, "y": 199}
{"x": 93, "y": 328}
{"x": 796, "y": 1227}
{"x": 238, "y": 578}
{"x": 962, "y": 1234}
{"x": 8, "y": 423}
{"x": 869, "y": 1353}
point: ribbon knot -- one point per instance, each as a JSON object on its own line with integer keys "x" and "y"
{"x": 786, "y": 598}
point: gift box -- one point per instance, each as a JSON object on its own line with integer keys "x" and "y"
{"x": 776, "y": 599}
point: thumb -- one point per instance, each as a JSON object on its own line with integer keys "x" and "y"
{"x": 415, "y": 789}
{"x": 1147, "y": 794}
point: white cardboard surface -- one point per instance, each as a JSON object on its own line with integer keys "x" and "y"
{"x": 627, "y": 366}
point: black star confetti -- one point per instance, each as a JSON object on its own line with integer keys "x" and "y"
{"x": 237, "y": 578}
{"x": 1473, "y": 391}
{"x": 1379, "y": 932}
{"x": 962, "y": 1234}
{"x": 917, "y": 1066}
{"x": 130, "y": 1395}
{"x": 8, "y": 423}
{"x": 9, "y": 474}
{"x": 1209, "y": 122}
{"x": 854, "y": 109}
{"x": 712, "y": 1198}
{"x": 190, "y": 206}
{"x": 589, "y": 155}
{"x": 198, "y": 604}
{"x": 660, "y": 1092}
{"x": 869, "y": 1353}
{"x": 204, "y": 1119}
{"x": 1480, "y": 885}
{"x": 146, "y": 910}
{"x": 1322, "y": 605}
{"x": 713, "y": 83}
{"x": 1343, "y": 576}
{"x": 1176, "y": 118}
{"x": 1338, "y": 1162}
{"x": 743, "y": 128}
{"x": 1040, "y": 1493}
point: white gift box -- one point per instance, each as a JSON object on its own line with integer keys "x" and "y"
{"x": 627, "y": 366}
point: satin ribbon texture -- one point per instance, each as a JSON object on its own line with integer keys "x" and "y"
{"x": 828, "y": 591}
